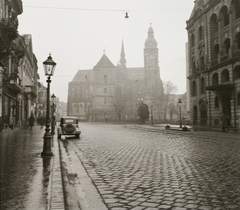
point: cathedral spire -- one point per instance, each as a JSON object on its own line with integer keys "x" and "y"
{"x": 122, "y": 58}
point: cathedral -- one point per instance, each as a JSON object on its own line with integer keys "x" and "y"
{"x": 114, "y": 92}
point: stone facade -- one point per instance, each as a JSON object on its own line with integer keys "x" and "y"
{"x": 91, "y": 93}
{"x": 214, "y": 62}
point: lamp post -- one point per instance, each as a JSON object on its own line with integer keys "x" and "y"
{"x": 152, "y": 114}
{"x": 180, "y": 106}
{"x": 53, "y": 114}
{"x": 49, "y": 67}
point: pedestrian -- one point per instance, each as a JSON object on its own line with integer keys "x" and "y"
{"x": 31, "y": 121}
{"x": 106, "y": 119}
{"x": 224, "y": 119}
{"x": 41, "y": 121}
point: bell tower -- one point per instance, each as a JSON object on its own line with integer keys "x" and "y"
{"x": 151, "y": 59}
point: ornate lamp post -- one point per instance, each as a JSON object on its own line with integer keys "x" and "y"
{"x": 180, "y": 107}
{"x": 53, "y": 114}
{"x": 49, "y": 67}
{"x": 152, "y": 114}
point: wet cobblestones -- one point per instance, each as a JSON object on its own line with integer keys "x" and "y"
{"x": 138, "y": 169}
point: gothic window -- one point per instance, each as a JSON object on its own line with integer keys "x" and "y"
{"x": 236, "y": 9}
{"x": 194, "y": 88}
{"x": 238, "y": 40}
{"x": 225, "y": 76}
{"x": 200, "y": 32}
{"x": 192, "y": 40}
{"x": 201, "y": 61}
{"x": 193, "y": 66}
{"x": 216, "y": 102}
{"x": 216, "y": 51}
{"x": 224, "y": 16}
{"x": 202, "y": 85}
{"x": 215, "y": 79}
{"x": 236, "y": 72}
{"x": 227, "y": 45}
{"x": 105, "y": 79}
{"x": 213, "y": 24}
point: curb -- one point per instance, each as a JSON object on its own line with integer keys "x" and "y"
{"x": 57, "y": 199}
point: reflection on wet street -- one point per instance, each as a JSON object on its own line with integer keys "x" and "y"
{"x": 24, "y": 174}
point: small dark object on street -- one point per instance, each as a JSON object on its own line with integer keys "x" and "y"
{"x": 167, "y": 127}
{"x": 185, "y": 128}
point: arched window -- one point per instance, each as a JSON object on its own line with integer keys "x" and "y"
{"x": 216, "y": 102}
{"x": 193, "y": 66}
{"x": 215, "y": 79}
{"x": 216, "y": 51}
{"x": 202, "y": 85}
{"x": 238, "y": 40}
{"x": 225, "y": 76}
{"x": 200, "y": 33}
{"x": 227, "y": 45}
{"x": 238, "y": 99}
{"x": 192, "y": 40}
{"x": 202, "y": 61}
{"x": 105, "y": 79}
{"x": 236, "y": 72}
{"x": 213, "y": 24}
{"x": 236, "y": 9}
{"x": 194, "y": 88}
{"x": 224, "y": 16}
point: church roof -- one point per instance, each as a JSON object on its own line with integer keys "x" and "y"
{"x": 104, "y": 62}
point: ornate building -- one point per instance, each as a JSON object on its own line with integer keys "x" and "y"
{"x": 18, "y": 69}
{"x": 214, "y": 61}
{"x": 91, "y": 92}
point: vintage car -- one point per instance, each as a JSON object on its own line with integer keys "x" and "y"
{"x": 68, "y": 126}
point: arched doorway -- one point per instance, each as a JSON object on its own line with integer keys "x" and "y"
{"x": 195, "y": 118}
{"x": 226, "y": 105}
{"x": 203, "y": 113}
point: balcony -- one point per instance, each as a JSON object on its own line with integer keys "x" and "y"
{"x": 32, "y": 90}
{"x": 13, "y": 83}
{"x": 224, "y": 57}
{"x": 10, "y": 26}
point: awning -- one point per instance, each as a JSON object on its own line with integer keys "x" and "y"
{"x": 220, "y": 87}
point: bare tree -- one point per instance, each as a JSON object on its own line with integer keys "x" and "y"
{"x": 169, "y": 88}
{"x": 119, "y": 98}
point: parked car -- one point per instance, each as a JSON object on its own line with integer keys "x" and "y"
{"x": 68, "y": 126}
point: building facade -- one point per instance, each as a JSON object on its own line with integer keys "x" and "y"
{"x": 214, "y": 62}
{"x": 18, "y": 69}
{"x": 93, "y": 93}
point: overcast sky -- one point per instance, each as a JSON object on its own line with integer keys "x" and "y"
{"x": 76, "y": 33}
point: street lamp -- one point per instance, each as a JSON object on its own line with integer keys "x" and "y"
{"x": 180, "y": 106}
{"x": 49, "y": 67}
{"x": 152, "y": 114}
{"x": 53, "y": 114}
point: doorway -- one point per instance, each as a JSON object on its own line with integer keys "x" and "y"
{"x": 226, "y": 105}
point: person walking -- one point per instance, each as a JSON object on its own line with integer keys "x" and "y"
{"x": 224, "y": 119}
{"x": 31, "y": 121}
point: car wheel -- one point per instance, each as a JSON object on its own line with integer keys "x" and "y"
{"x": 78, "y": 136}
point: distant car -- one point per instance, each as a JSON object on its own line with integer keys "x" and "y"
{"x": 68, "y": 126}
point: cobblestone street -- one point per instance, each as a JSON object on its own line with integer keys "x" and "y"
{"x": 137, "y": 168}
